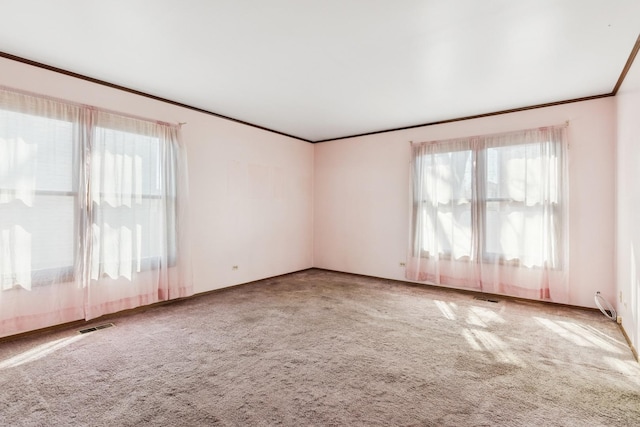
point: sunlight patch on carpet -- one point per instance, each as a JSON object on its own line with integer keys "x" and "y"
{"x": 562, "y": 332}
{"x": 486, "y": 315}
{"x": 445, "y": 309}
{"x": 38, "y": 352}
{"x": 629, "y": 368}
{"x": 498, "y": 348}
{"x": 589, "y": 336}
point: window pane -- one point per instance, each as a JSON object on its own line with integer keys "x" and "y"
{"x": 53, "y": 230}
{"x": 448, "y": 177}
{"x": 516, "y": 173}
{"x": 447, "y": 215}
{"x": 129, "y": 164}
{"x": 454, "y": 230}
{"x": 36, "y": 153}
{"x": 521, "y": 184}
{"x": 40, "y": 236}
{"x": 129, "y": 216}
{"x": 515, "y": 231}
{"x": 138, "y": 231}
{"x": 37, "y": 200}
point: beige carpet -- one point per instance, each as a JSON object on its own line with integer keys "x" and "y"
{"x": 323, "y": 348}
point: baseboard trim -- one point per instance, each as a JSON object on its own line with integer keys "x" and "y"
{"x": 81, "y": 323}
{"x": 469, "y": 291}
{"x": 633, "y": 349}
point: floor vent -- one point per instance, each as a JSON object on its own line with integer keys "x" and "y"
{"x": 96, "y": 328}
{"x": 481, "y": 298}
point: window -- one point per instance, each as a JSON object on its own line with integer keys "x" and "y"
{"x": 39, "y": 222}
{"x": 522, "y": 188}
{"x": 488, "y": 202}
{"x": 447, "y": 179}
{"x": 38, "y": 191}
{"x": 127, "y": 183}
{"x": 92, "y": 212}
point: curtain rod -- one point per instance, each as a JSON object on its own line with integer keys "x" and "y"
{"x": 563, "y": 125}
{"x": 88, "y": 106}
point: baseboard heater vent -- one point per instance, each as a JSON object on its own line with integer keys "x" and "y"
{"x": 96, "y": 328}
{"x": 481, "y": 298}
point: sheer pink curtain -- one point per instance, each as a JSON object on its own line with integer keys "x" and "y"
{"x": 92, "y": 208}
{"x": 489, "y": 213}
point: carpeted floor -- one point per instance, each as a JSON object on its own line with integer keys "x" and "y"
{"x": 324, "y": 348}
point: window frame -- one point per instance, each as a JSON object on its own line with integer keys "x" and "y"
{"x": 479, "y": 202}
{"x": 82, "y": 211}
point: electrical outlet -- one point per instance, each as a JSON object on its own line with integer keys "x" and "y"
{"x": 619, "y": 320}
{"x": 402, "y": 264}
{"x": 235, "y": 267}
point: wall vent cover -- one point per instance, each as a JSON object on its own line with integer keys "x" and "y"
{"x": 488, "y": 299}
{"x": 96, "y": 328}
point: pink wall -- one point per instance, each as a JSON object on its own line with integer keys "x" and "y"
{"x": 628, "y": 205}
{"x": 362, "y": 189}
{"x": 251, "y": 191}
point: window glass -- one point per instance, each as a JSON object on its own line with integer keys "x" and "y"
{"x": 447, "y": 214}
{"x": 37, "y": 198}
{"x": 129, "y": 162}
{"x": 504, "y": 199}
{"x": 514, "y": 225}
{"x": 36, "y": 153}
{"x": 126, "y": 183}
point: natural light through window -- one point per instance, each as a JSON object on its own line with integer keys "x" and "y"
{"x": 36, "y": 182}
{"x": 90, "y": 204}
{"x": 489, "y": 212}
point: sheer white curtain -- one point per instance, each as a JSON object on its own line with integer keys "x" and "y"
{"x": 135, "y": 172}
{"x": 91, "y": 212}
{"x": 489, "y": 213}
{"x": 39, "y": 196}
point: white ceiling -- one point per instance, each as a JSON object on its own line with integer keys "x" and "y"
{"x": 323, "y": 69}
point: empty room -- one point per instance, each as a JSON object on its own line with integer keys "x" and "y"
{"x": 358, "y": 212}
